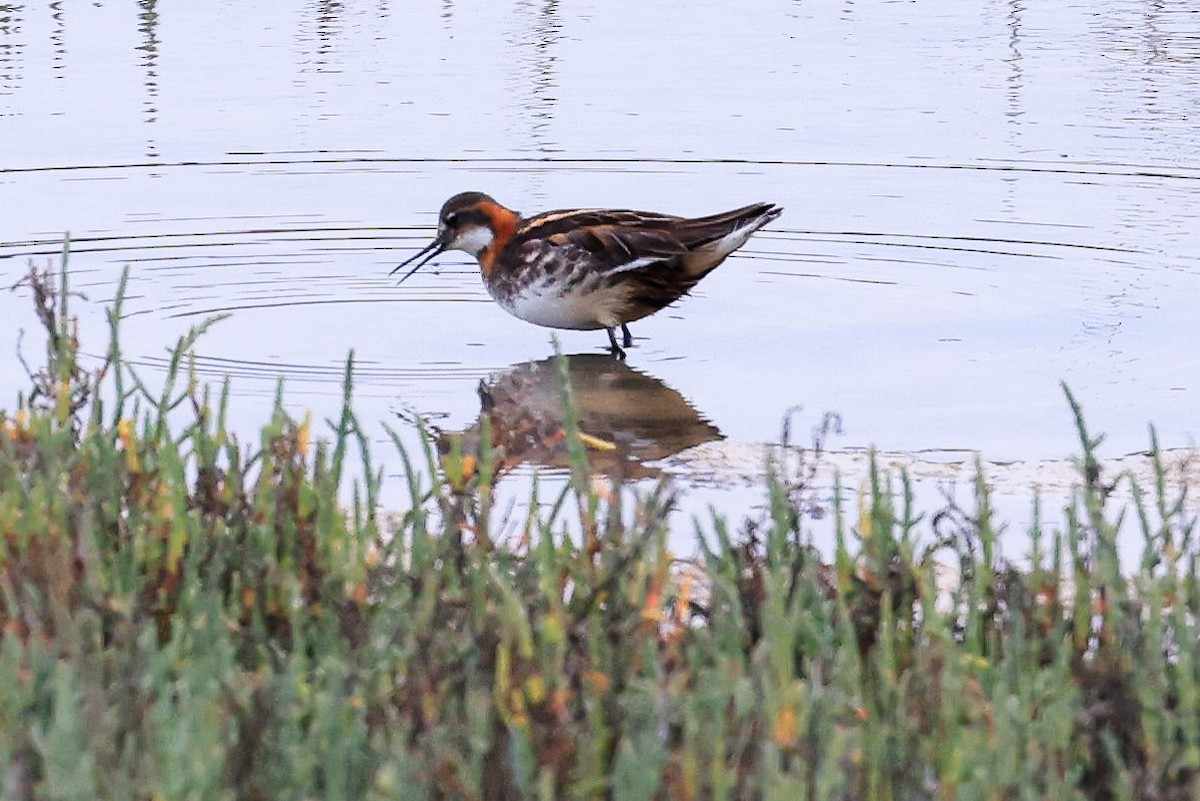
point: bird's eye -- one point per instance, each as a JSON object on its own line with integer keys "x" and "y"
{"x": 452, "y": 219}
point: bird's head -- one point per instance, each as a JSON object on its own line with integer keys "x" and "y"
{"x": 467, "y": 222}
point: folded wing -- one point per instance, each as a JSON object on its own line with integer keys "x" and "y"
{"x": 620, "y": 241}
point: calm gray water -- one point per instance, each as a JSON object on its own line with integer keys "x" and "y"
{"x": 982, "y": 198}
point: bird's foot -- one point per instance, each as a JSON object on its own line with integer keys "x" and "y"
{"x": 613, "y": 347}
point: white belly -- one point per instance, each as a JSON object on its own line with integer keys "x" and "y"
{"x": 584, "y": 309}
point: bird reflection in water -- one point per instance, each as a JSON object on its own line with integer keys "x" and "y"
{"x": 626, "y": 418}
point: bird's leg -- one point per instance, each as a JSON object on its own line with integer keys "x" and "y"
{"x": 626, "y": 336}
{"x": 486, "y": 402}
{"x": 614, "y": 348}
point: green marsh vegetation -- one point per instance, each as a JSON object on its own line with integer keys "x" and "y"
{"x": 187, "y": 616}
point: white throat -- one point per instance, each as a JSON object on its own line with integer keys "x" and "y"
{"x": 473, "y": 240}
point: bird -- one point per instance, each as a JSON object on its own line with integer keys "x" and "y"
{"x": 588, "y": 269}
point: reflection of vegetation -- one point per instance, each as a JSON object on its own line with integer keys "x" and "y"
{"x": 185, "y": 616}
{"x": 148, "y": 28}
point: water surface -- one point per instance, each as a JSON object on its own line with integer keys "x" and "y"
{"x": 982, "y": 199}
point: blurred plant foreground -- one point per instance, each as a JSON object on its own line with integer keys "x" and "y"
{"x": 187, "y": 616}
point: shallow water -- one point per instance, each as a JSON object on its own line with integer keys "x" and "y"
{"x": 982, "y": 200}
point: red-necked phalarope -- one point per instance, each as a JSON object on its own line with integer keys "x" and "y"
{"x": 588, "y": 268}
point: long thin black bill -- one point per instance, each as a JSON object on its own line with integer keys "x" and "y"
{"x": 432, "y": 249}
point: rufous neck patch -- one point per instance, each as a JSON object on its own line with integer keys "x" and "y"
{"x": 504, "y": 224}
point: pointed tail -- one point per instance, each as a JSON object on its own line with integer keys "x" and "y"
{"x": 710, "y": 239}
